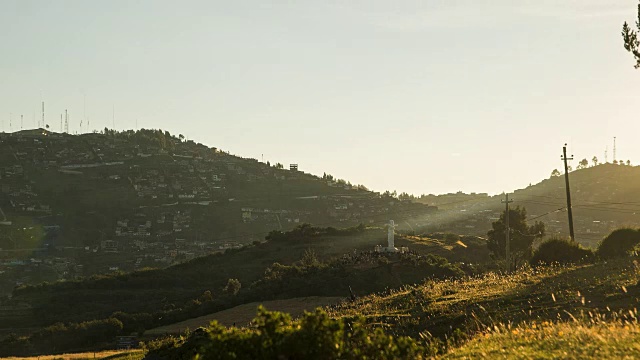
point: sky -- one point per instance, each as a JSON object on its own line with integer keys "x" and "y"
{"x": 423, "y": 97}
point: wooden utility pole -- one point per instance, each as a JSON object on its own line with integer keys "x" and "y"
{"x": 566, "y": 181}
{"x": 506, "y": 201}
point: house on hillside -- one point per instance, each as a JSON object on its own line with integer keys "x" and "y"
{"x": 109, "y": 246}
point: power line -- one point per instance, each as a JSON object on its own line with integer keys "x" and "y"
{"x": 545, "y": 214}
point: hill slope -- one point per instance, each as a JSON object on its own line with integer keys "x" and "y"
{"x": 176, "y": 287}
{"x": 604, "y": 197}
{"x": 119, "y": 201}
{"x": 550, "y": 312}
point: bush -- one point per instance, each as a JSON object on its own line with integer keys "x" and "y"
{"x": 619, "y": 243}
{"x": 276, "y": 336}
{"x": 232, "y": 287}
{"x": 561, "y": 251}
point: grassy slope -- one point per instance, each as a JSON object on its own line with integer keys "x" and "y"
{"x": 578, "y": 339}
{"x": 475, "y": 304}
{"x": 582, "y": 311}
{"x": 105, "y": 355}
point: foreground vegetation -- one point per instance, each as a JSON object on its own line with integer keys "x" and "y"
{"x": 596, "y": 336}
{"x": 523, "y": 315}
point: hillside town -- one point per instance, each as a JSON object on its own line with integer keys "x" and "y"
{"x": 73, "y": 206}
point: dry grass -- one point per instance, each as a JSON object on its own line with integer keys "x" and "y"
{"x": 243, "y": 314}
{"x": 440, "y": 307}
{"x": 596, "y": 336}
{"x": 109, "y": 354}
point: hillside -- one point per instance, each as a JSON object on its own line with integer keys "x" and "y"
{"x": 604, "y": 197}
{"x": 171, "y": 291}
{"x": 580, "y": 311}
{"x": 76, "y": 205}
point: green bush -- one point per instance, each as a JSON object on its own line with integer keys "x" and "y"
{"x": 561, "y": 251}
{"x": 276, "y": 336}
{"x": 619, "y": 243}
{"x": 60, "y": 338}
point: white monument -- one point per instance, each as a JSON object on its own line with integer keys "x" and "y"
{"x": 390, "y": 237}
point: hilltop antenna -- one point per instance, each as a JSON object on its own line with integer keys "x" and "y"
{"x": 21, "y": 122}
{"x": 614, "y": 149}
{"x": 606, "y": 153}
{"x": 10, "y": 125}
{"x": 42, "y": 115}
{"x": 66, "y": 121}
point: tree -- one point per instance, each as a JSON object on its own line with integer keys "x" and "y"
{"x": 615, "y": 162}
{"x": 595, "y": 161}
{"x": 570, "y": 168}
{"x": 521, "y": 235}
{"x": 232, "y": 287}
{"x": 631, "y": 41}
{"x": 628, "y": 162}
{"x": 583, "y": 164}
{"x": 555, "y": 173}
{"x": 279, "y": 166}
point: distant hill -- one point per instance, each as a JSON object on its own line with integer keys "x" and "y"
{"x": 604, "y": 197}
{"x": 76, "y": 205}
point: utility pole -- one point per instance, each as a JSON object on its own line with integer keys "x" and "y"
{"x": 506, "y": 201}
{"x": 566, "y": 181}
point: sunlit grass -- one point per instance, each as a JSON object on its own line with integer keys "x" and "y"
{"x": 108, "y": 354}
{"x": 589, "y": 336}
{"x": 452, "y": 308}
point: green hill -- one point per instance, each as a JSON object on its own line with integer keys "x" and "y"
{"x": 72, "y": 206}
{"x": 604, "y": 197}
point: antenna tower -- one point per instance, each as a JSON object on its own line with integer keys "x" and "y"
{"x": 66, "y": 121}
{"x": 42, "y": 125}
{"x": 21, "y": 122}
{"x": 614, "y": 148}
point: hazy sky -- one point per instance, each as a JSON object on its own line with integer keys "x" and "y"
{"x": 418, "y": 96}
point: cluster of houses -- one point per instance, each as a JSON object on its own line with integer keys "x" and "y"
{"x": 163, "y": 189}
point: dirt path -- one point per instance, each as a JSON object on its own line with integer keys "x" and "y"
{"x": 243, "y": 314}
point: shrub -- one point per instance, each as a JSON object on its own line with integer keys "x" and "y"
{"x": 619, "y": 243}
{"x": 276, "y": 336}
{"x": 561, "y": 251}
{"x": 232, "y": 287}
